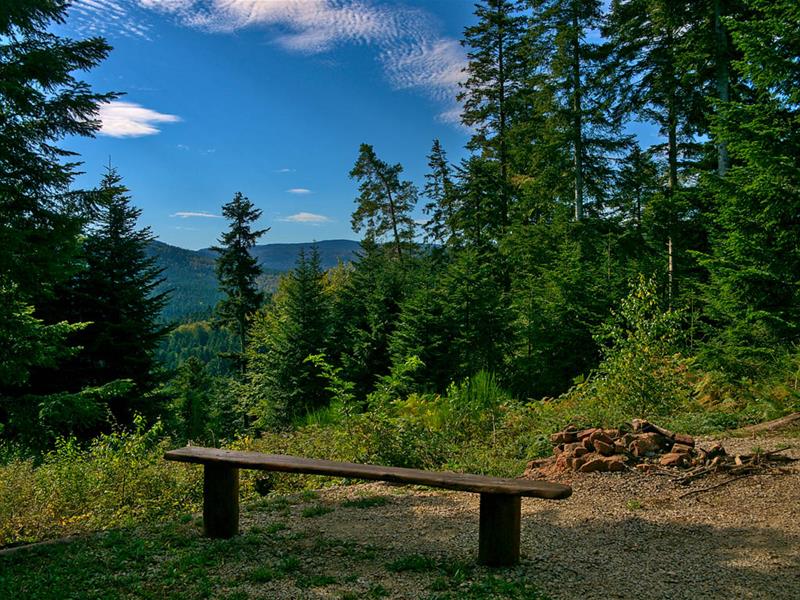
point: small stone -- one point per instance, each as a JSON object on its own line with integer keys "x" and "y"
{"x": 596, "y": 465}
{"x": 603, "y": 448}
{"x": 563, "y": 437}
{"x": 612, "y": 433}
{"x": 672, "y": 460}
{"x": 681, "y": 449}
{"x": 614, "y": 463}
{"x": 579, "y": 451}
{"x": 686, "y": 440}
{"x": 647, "y": 444}
{"x": 620, "y": 446}
{"x": 639, "y": 425}
{"x": 585, "y": 433}
{"x": 587, "y": 443}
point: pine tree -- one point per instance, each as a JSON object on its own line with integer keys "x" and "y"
{"x": 191, "y": 390}
{"x": 494, "y": 77}
{"x": 237, "y": 269}
{"x": 441, "y": 192}
{"x": 384, "y": 203}
{"x": 41, "y": 101}
{"x": 282, "y": 384}
{"x": 637, "y": 183}
{"x": 572, "y": 94}
{"x": 753, "y": 290}
{"x": 115, "y": 294}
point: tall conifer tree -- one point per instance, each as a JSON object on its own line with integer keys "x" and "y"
{"x": 237, "y": 269}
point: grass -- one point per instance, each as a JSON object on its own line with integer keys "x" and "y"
{"x": 174, "y": 561}
{"x": 316, "y": 511}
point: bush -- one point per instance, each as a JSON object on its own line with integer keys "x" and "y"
{"x": 119, "y": 479}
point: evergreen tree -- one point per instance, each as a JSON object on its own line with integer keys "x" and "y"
{"x": 191, "y": 390}
{"x": 237, "y": 269}
{"x": 41, "y": 101}
{"x": 365, "y": 313}
{"x": 384, "y": 203}
{"x": 115, "y": 294}
{"x": 637, "y": 183}
{"x": 441, "y": 192}
{"x": 572, "y": 95}
{"x": 753, "y": 295}
{"x": 282, "y": 384}
{"x": 494, "y": 77}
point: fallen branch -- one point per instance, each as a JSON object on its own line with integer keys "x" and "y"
{"x": 711, "y": 487}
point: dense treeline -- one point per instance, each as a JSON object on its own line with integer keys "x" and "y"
{"x": 536, "y": 237}
{"x": 559, "y": 257}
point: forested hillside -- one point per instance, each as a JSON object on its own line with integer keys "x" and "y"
{"x": 190, "y": 279}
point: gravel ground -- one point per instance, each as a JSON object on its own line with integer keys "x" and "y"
{"x": 620, "y": 535}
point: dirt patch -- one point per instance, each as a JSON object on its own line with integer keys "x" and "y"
{"x": 620, "y": 535}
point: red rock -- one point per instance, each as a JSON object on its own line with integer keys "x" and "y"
{"x": 563, "y": 437}
{"x": 562, "y": 462}
{"x": 578, "y": 462}
{"x": 579, "y": 451}
{"x": 596, "y": 465}
{"x": 672, "y": 460}
{"x": 587, "y": 443}
{"x": 686, "y": 440}
{"x": 647, "y": 443}
{"x": 612, "y": 433}
{"x": 620, "y": 446}
{"x": 558, "y": 449}
{"x": 614, "y": 463}
{"x": 603, "y": 448}
{"x": 681, "y": 449}
{"x": 585, "y": 433}
{"x": 639, "y": 425}
{"x": 600, "y": 436}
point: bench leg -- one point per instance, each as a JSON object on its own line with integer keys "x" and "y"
{"x": 220, "y": 501}
{"x": 498, "y": 537}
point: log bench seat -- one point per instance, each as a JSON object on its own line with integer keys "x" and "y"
{"x": 500, "y": 499}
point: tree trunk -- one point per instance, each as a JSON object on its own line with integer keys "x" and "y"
{"x": 577, "y": 118}
{"x": 723, "y": 81}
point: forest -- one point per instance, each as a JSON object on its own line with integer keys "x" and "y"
{"x": 564, "y": 273}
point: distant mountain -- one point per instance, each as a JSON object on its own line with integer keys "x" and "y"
{"x": 191, "y": 277}
{"x": 282, "y": 257}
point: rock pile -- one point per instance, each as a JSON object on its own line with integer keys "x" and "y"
{"x": 640, "y": 444}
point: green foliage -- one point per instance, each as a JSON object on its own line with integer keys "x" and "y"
{"x": 642, "y": 374}
{"x": 237, "y": 270}
{"x": 384, "y": 203}
{"x": 119, "y": 479}
{"x": 282, "y": 384}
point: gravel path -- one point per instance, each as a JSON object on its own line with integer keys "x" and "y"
{"x": 620, "y": 535}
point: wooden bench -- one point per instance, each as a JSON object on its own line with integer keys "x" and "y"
{"x": 498, "y": 537}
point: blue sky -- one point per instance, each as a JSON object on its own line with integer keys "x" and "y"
{"x": 271, "y": 98}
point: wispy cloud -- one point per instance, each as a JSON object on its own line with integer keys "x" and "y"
{"x": 128, "y": 119}
{"x": 284, "y": 170}
{"x": 412, "y": 52}
{"x": 104, "y": 17}
{"x": 191, "y": 215}
{"x": 306, "y": 217}
{"x": 299, "y": 191}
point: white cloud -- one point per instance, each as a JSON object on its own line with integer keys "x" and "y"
{"x": 128, "y": 119}
{"x": 305, "y": 217}
{"x": 409, "y": 48}
{"x": 299, "y": 191}
{"x": 190, "y": 214}
{"x": 284, "y": 170}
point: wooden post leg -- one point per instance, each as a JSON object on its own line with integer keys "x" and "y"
{"x": 498, "y": 537}
{"x": 220, "y": 501}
